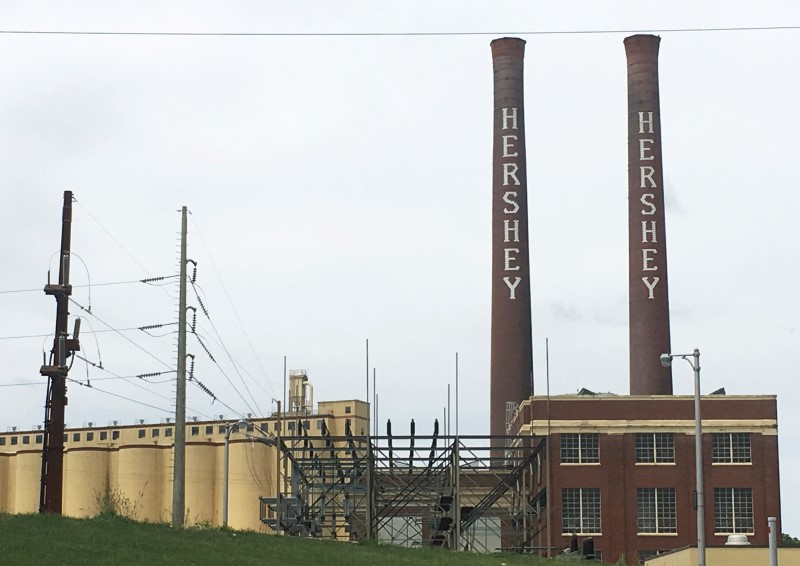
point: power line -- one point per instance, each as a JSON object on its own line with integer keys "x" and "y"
{"x": 110, "y": 378}
{"x": 119, "y": 396}
{"x": 50, "y": 334}
{"x": 131, "y": 381}
{"x": 395, "y": 33}
{"x": 230, "y": 357}
{"x": 145, "y": 350}
{"x": 148, "y": 281}
{"x": 233, "y": 308}
{"x": 122, "y": 247}
{"x": 269, "y": 394}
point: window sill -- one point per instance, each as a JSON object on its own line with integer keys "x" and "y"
{"x": 654, "y": 464}
{"x": 731, "y": 463}
{"x": 656, "y": 534}
{"x": 750, "y": 534}
{"x": 579, "y": 464}
{"x": 582, "y": 534}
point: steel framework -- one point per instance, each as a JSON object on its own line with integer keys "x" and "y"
{"x": 414, "y": 490}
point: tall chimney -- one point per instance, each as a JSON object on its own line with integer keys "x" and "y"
{"x": 647, "y": 248}
{"x": 512, "y": 352}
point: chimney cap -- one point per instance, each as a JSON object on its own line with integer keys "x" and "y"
{"x": 508, "y": 47}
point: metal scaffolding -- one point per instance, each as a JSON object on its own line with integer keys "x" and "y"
{"x": 450, "y": 491}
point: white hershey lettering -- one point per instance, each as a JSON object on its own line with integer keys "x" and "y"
{"x": 509, "y": 228}
{"x": 650, "y": 286}
{"x": 645, "y": 202}
{"x": 644, "y": 148}
{"x": 510, "y": 115}
{"x": 510, "y": 170}
{"x": 507, "y": 200}
{"x": 646, "y": 259}
{"x": 648, "y": 122}
{"x": 509, "y": 258}
{"x": 651, "y": 232}
{"x": 646, "y": 173}
{"x": 507, "y": 146}
{"x": 512, "y": 286}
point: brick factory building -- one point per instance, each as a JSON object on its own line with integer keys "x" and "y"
{"x": 622, "y": 470}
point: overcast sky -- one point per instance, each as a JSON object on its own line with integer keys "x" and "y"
{"x": 340, "y": 189}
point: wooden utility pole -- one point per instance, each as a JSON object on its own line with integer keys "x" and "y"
{"x": 179, "y": 450}
{"x": 50, "y": 495}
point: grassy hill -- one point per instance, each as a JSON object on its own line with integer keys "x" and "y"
{"x": 51, "y": 539}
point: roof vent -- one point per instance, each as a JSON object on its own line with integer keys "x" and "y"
{"x": 737, "y": 540}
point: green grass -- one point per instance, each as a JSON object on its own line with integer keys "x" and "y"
{"x": 51, "y": 540}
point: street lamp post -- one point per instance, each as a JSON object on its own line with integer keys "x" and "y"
{"x": 666, "y": 361}
{"x": 228, "y": 430}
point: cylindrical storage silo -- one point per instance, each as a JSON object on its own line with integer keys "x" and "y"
{"x": 250, "y": 475}
{"x": 201, "y": 465}
{"x": 28, "y": 481}
{"x": 86, "y": 490}
{"x": 140, "y": 480}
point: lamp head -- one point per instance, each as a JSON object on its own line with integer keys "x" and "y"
{"x": 666, "y": 360}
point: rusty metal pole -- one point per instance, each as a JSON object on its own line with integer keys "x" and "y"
{"x": 53, "y": 442}
{"x": 647, "y": 249}
{"x": 512, "y": 351}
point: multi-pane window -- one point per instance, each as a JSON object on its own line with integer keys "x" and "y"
{"x": 168, "y": 431}
{"x": 103, "y": 435}
{"x": 655, "y": 510}
{"x": 655, "y": 448}
{"x": 580, "y": 510}
{"x": 730, "y": 448}
{"x": 581, "y": 448}
{"x": 733, "y": 510}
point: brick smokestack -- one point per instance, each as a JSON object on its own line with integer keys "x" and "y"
{"x": 512, "y": 351}
{"x": 647, "y": 248}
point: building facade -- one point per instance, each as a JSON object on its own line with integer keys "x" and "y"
{"x": 130, "y": 467}
{"x": 622, "y": 470}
